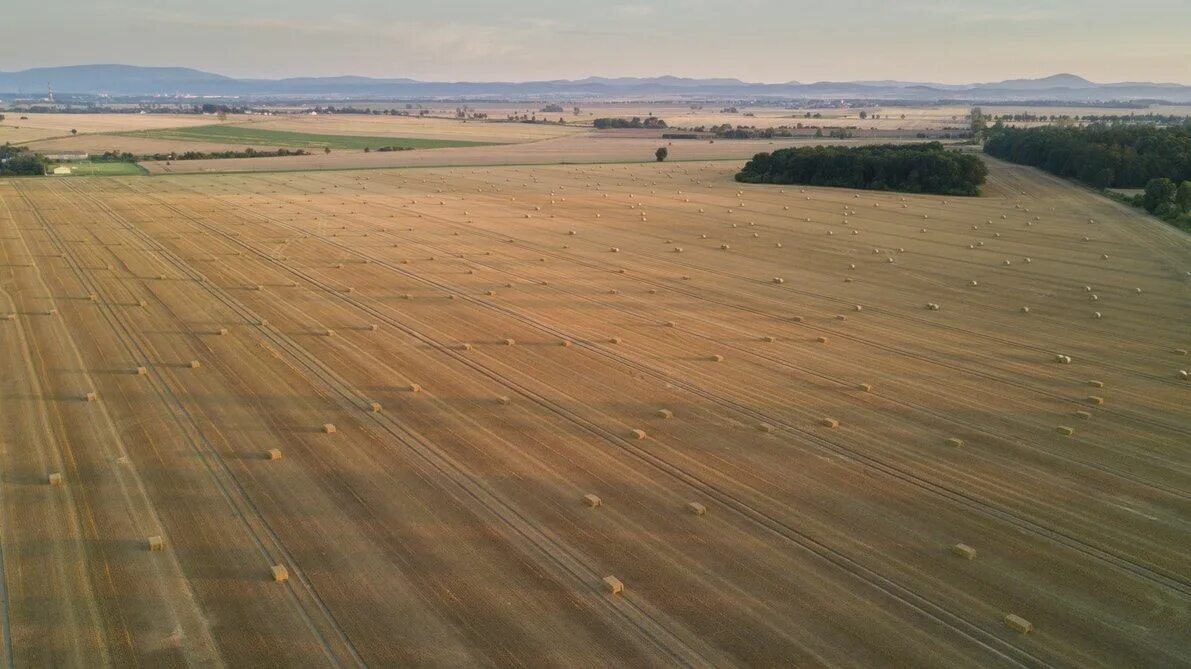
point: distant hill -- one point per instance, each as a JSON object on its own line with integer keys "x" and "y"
{"x": 169, "y": 81}
{"x": 1053, "y": 81}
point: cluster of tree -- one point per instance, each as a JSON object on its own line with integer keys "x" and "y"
{"x": 840, "y": 133}
{"x": 17, "y": 160}
{"x": 533, "y": 118}
{"x": 465, "y": 112}
{"x": 210, "y": 108}
{"x": 912, "y": 168}
{"x": 553, "y": 109}
{"x": 1102, "y": 156}
{"x": 635, "y": 122}
{"x": 679, "y": 135}
{"x": 726, "y": 131}
{"x": 386, "y": 149}
{"x": 1165, "y": 199}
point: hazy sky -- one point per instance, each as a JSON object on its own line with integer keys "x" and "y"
{"x": 949, "y": 41}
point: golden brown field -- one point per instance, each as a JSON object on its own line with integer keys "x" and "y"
{"x": 590, "y": 147}
{"x": 360, "y": 414}
{"x": 37, "y": 127}
{"x": 406, "y": 126}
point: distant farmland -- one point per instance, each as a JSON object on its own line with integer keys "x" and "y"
{"x": 238, "y": 134}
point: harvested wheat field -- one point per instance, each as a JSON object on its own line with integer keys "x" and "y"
{"x": 600, "y": 415}
{"x": 23, "y": 127}
{"x": 591, "y": 147}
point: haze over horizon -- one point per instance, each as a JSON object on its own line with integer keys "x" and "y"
{"x": 527, "y": 40}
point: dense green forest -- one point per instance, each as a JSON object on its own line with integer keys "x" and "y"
{"x": 912, "y": 168}
{"x": 1104, "y": 156}
{"x": 1157, "y": 159}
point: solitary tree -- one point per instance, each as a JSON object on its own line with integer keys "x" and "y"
{"x": 73, "y": 131}
{"x": 326, "y": 149}
{"x": 863, "y": 114}
{"x": 662, "y": 153}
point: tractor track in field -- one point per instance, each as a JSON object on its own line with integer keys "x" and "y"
{"x": 643, "y": 619}
{"x": 1155, "y": 574}
{"x": 140, "y": 510}
{"x": 965, "y": 628}
{"x": 675, "y": 287}
{"x": 233, "y": 491}
{"x": 477, "y": 261}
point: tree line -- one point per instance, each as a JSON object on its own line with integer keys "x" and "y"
{"x": 911, "y": 168}
{"x": 126, "y": 157}
{"x": 635, "y": 122}
{"x": 1103, "y": 156}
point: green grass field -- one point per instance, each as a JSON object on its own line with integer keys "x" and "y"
{"x": 89, "y": 169}
{"x": 268, "y": 139}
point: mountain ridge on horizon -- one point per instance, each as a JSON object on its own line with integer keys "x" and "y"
{"x": 134, "y": 80}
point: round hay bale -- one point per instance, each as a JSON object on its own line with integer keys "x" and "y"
{"x": 637, "y": 434}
